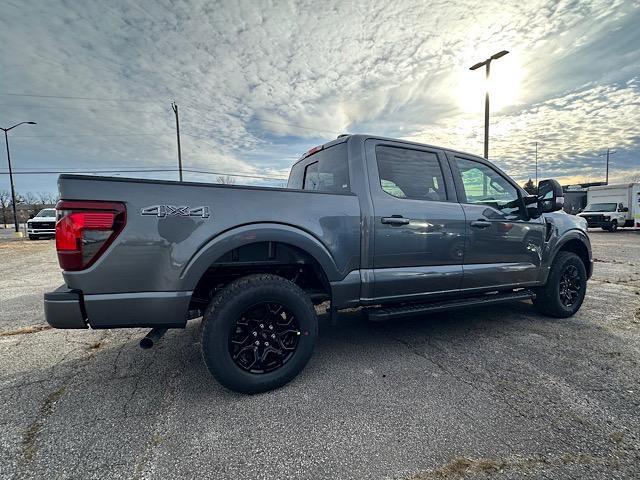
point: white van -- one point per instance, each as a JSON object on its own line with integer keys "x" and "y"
{"x": 613, "y": 206}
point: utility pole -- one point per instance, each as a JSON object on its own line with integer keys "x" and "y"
{"x": 174, "y": 107}
{"x": 487, "y": 64}
{"x": 608, "y": 154}
{"x": 13, "y": 190}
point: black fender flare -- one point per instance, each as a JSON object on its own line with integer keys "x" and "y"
{"x": 571, "y": 235}
{"x": 253, "y": 233}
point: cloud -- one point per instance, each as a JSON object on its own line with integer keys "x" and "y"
{"x": 258, "y": 83}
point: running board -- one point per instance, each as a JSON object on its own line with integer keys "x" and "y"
{"x": 387, "y": 313}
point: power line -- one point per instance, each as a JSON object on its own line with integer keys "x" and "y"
{"x": 76, "y": 108}
{"x": 69, "y": 97}
{"x": 92, "y": 135}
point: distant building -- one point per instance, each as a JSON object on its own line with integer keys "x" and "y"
{"x": 575, "y": 196}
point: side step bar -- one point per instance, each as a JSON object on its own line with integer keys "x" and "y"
{"x": 387, "y": 313}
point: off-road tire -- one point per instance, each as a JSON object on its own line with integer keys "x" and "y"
{"x": 229, "y": 304}
{"x": 548, "y": 300}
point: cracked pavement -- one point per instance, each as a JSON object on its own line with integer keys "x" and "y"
{"x": 497, "y": 391}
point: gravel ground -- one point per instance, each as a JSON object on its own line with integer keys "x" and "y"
{"x": 498, "y": 391}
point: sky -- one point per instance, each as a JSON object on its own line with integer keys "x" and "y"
{"x": 257, "y": 83}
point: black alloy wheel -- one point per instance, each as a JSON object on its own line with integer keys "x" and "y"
{"x": 264, "y": 338}
{"x": 258, "y": 333}
{"x": 570, "y": 285}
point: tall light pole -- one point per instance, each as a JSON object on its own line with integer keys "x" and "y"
{"x": 487, "y": 64}
{"x": 13, "y": 190}
{"x": 174, "y": 107}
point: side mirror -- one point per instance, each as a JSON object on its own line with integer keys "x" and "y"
{"x": 550, "y": 196}
{"x": 624, "y": 209}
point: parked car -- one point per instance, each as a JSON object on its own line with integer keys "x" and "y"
{"x": 613, "y": 206}
{"x": 399, "y": 228}
{"x": 42, "y": 225}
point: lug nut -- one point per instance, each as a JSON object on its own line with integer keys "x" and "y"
{"x": 273, "y": 335}
{"x": 262, "y": 325}
{"x": 266, "y": 344}
{"x": 270, "y": 327}
{"x": 257, "y": 342}
{"x": 255, "y": 334}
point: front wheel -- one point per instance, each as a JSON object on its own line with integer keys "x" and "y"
{"x": 564, "y": 292}
{"x": 258, "y": 333}
{"x": 614, "y": 226}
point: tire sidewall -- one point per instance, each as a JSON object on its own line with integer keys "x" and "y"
{"x": 222, "y": 316}
{"x": 566, "y": 262}
{"x": 614, "y": 226}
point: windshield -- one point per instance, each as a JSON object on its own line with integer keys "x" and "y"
{"x": 47, "y": 212}
{"x": 601, "y": 207}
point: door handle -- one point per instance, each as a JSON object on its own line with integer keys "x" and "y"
{"x": 396, "y": 220}
{"x": 481, "y": 224}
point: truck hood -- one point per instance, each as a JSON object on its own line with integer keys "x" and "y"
{"x": 566, "y": 222}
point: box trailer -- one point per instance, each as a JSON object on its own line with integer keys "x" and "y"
{"x": 613, "y": 206}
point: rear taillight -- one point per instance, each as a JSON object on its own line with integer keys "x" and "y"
{"x": 84, "y": 229}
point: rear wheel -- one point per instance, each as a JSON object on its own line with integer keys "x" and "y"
{"x": 258, "y": 333}
{"x": 564, "y": 292}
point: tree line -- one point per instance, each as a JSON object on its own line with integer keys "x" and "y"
{"x": 27, "y": 204}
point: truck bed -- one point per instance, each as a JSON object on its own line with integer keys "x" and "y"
{"x": 154, "y": 249}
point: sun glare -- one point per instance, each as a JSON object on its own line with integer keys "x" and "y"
{"x": 504, "y": 85}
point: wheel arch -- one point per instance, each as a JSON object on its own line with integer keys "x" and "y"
{"x": 297, "y": 244}
{"x": 576, "y": 242}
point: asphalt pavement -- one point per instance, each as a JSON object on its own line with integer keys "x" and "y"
{"x": 494, "y": 392}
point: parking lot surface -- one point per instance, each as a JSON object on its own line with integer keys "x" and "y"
{"x": 498, "y": 391}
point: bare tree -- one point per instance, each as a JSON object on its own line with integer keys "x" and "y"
{"x": 5, "y": 201}
{"x": 226, "y": 180}
{"x": 30, "y": 200}
{"x": 46, "y": 199}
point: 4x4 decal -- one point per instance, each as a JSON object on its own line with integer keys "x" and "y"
{"x": 162, "y": 211}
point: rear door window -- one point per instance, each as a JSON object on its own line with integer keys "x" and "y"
{"x": 412, "y": 174}
{"x": 329, "y": 171}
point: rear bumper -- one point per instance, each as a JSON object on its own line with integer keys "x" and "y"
{"x": 65, "y": 308}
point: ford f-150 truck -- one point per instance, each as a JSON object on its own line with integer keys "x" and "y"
{"x": 396, "y": 227}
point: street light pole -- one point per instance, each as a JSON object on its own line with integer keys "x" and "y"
{"x": 487, "y": 65}
{"x": 174, "y": 107}
{"x": 13, "y": 190}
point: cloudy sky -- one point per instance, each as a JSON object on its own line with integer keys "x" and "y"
{"x": 259, "y": 82}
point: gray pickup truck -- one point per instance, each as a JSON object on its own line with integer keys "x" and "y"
{"x": 396, "y": 227}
